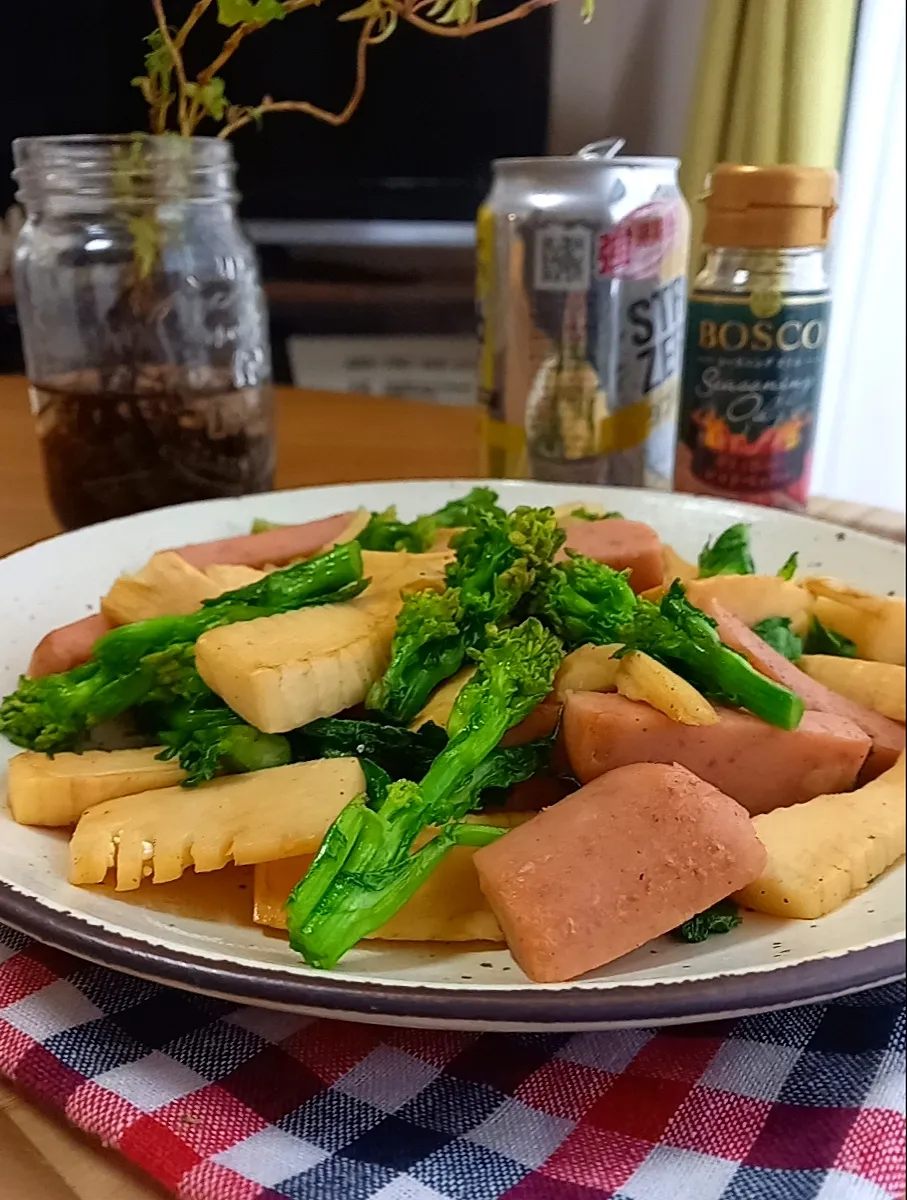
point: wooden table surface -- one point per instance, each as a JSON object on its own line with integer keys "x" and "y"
{"x": 323, "y": 438}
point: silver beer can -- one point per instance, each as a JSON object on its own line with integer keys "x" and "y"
{"x": 581, "y": 291}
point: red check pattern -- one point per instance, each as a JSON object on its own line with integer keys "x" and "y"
{"x": 225, "y": 1103}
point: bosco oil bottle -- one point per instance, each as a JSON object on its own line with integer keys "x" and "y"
{"x": 756, "y": 335}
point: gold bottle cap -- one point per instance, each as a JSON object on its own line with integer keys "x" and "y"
{"x": 769, "y": 207}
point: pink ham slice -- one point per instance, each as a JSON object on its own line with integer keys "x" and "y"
{"x": 273, "y": 546}
{"x": 67, "y": 647}
{"x": 888, "y": 737}
{"x": 759, "y": 766}
{"x": 623, "y": 860}
{"x": 620, "y": 544}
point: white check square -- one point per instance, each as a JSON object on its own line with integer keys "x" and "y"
{"x": 404, "y": 1187}
{"x": 6, "y": 952}
{"x": 152, "y": 1081}
{"x": 612, "y": 1052}
{"x": 270, "y": 1156}
{"x": 54, "y": 1008}
{"x": 522, "y": 1134}
{"x": 754, "y": 1069}
{"x": 680, "y": 1174}
{"x": 387, "y": 1078}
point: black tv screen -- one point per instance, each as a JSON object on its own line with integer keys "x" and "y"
{"x": 436, "y": 111}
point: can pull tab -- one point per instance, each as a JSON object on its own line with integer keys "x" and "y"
{"x": 606, "y": 148}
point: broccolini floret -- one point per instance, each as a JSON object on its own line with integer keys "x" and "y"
{"x": 499, "y": 558}
{"x": 429, "y": 646}
{"x": 586, "y": 601}
{"x": 209, "y": 740}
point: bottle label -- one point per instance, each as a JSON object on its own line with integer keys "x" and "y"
{"x": 751, "y": 382}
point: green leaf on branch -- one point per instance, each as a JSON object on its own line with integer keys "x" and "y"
{"x": 210, "y": 96}
{"x": 249, "y": 12}
{"x": 453, "y": 12}
{"x": 158, "y": 60}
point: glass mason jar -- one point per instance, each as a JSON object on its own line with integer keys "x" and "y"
{"x": 143, "y": 324}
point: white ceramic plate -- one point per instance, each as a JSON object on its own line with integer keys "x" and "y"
{"x": 766, "y": 963}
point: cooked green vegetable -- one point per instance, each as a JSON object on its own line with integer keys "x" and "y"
{"x": 462, "y": 512}
{"x": 789, "y": 569}
{"x": 685, "y": 639}
{"x": 586, "y": 601}
{"x": 366, "y": 868}
{"x": 822, "y": 640}
{"x": 429, "y": 646}
{"x": 720, "y": 918}
{"x": 209, "y": 740}
{"x": 385, "y": 530}
{"x": 498, "y": 559}
{"x": 506, "y": 766}
{"x": 152, "y": 662}
{"x": 401, "y": 753}
{"x": 196, "y": 727}
{"x": 261, "y": 525}
{"x": 729, "y": 554}
{"x": 777, "y": 632}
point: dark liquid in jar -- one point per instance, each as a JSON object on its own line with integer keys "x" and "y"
{"x": 108, "y": 453}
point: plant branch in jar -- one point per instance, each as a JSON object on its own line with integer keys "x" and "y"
{"x": 166, "y": 83}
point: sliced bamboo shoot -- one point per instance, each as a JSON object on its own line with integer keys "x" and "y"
{"x": 58, "y": 790}
{"x": 252, "y": 818}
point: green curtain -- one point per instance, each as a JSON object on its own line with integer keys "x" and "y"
{"x": 771, "y": 87}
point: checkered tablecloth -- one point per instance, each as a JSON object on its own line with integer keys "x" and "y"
{"x": 220, "y": 1102}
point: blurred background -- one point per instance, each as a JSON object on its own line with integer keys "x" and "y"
{"x": 366, "y": 233}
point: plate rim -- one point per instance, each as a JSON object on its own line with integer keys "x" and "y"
{"x": 664, "y": 1002}
{"x": 667, "y": 1002}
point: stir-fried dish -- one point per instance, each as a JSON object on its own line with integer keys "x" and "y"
{"x": 542, "y": 728}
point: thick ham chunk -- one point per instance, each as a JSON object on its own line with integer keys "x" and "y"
{"x": 888, "y": 739}
{"x": 759, "y": 766}
{"x": 620, "y": 544}
{"x": 623, "y": 860}
{"x": 274, "y": 546}
{"x": 67, "y": 647}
